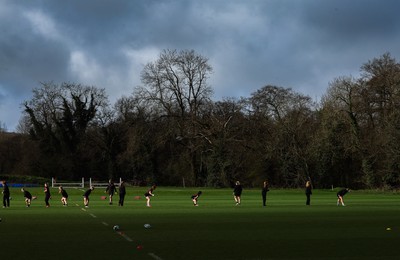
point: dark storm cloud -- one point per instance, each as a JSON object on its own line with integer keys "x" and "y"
{"x": 353, "y": 19}
{"x": 289, "y": 43}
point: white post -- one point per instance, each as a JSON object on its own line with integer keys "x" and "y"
{"x": 90, "y": 182}
{"x": 52, "y": 182}
{"x": 83, "y": 182}
{"x": 120, "y": 181}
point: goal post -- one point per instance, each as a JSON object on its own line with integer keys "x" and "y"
{"x": 102, "y": 184}
{"x": 72, "y": 184}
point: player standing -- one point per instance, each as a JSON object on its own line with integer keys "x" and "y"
{"x": 264, "y": 191}
{"x": 122, "y": 193}
{"x": 6, "y": 195}
{"x": 237, "y": 193}
{"x": 47, "y": 194}
{"x": 111, "y": 189}
{"x": 308, "y": 192}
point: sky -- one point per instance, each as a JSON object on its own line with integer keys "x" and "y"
{"x": 298, "y": 44}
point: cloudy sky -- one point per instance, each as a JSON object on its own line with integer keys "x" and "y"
{"x": 301, "y": 44}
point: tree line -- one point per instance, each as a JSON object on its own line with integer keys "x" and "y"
{"x": 169, "y": 131}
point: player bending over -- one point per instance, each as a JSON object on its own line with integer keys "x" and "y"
{"x": 28, "y": 197}
{"x": 195, "y": 197}
{"x": 340, "y": 196}
{"x": 64, "y": 196}
{"x": 149, "y": 194}
{"x": 86, "y": 197}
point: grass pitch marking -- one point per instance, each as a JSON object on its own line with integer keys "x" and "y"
{"x": 125, "y": 236}
{"x": 155, "y": 256}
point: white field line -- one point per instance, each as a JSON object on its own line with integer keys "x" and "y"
{"x": 125, "y": 236}
{"x": 77, "y": 205}
{"x": 155, "y": 256}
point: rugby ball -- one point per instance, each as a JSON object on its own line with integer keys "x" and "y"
{"x": 147, "y": 226}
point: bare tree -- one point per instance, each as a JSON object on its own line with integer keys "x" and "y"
{"x": 176, "y": 86}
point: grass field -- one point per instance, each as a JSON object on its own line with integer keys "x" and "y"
{"x": 217, "y": 229}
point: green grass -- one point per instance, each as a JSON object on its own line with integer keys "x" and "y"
{"x": 217, "y": 229}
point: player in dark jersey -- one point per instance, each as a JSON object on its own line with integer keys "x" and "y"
{"x": 47, "y": 194}
{"x": 28, "y": 197}
{"x": 195, "y": 197}
{"x": 86, "y": 197}
{"x": 237, "y": 193}
{"x": 64, "y": 196}
{"x": 6, "y": 195}
{"x": 122, "y": 193}
{"x": 111, "y": 190}
{"x": 264, "y": 191}
{"x": 149, "y": 194}
{"x": 308, "y": 192}
{"x": 340, "y": 196}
